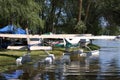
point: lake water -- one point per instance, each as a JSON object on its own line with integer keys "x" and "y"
{"x": 109, "y": 59}
{"x": 106, "y": 66}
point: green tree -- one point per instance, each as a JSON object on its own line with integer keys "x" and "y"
{"x": 110, "y": 10}
{"x": 67, "y": 16}
{"x": 21, "y": 13}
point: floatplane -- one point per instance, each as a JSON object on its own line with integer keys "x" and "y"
{"x": 68, "y": 37}
{"x": 72, "y": 38}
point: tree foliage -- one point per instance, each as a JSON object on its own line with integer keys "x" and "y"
{"x": 21, "y": 13}
{"x": 62, "y": 16}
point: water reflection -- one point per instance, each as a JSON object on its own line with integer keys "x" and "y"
{"x": 13, "y": 75}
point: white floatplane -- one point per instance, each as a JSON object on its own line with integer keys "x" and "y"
{"x": 72, "y": 38}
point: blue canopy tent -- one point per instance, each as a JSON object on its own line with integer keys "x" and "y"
{"x": 19, "y": 31}
{"x": 12, "y": 30}
{"x": 7, "y": 29}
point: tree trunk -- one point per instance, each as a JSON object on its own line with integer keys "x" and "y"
{"x": 80, "y": 10}
{"x": 87, "y": 11}
{"x": 51, "y": 17}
